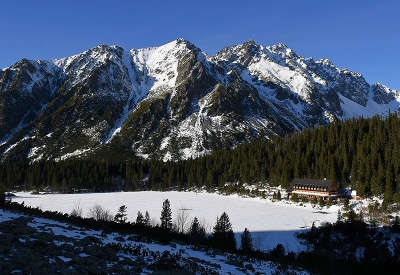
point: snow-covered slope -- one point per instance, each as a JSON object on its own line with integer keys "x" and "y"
{"x": 173, "y": 101}
{"x": 72, "y": 249}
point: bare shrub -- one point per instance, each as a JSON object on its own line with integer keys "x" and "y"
{"x": 181, "y": 220}
{"x": 98, "y": 212}
{"x": 77, "y": 210}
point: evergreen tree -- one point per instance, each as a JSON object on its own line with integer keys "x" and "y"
{"x": 346, "y": 204}
{"x": 147, "y": 218}
{"x": 166, "y": 215}
{"x": 140, "y": 220}
{"x": 339, "y": 217}
{"x": 314, "y": 201}
{"x": 246, "y": 244}
{"x": 279, "y": 195}
{"x": 278, "y": 253}
{"x": 321, "y": 202}
{"x": 329, "y": 203}
{"x": 197, "y": 232}
{"x": 390, "y": 185}
{"x": 295, "y": 198}
{"x": 223, "y": 235}
{"x": 121, "y": 214}
{"x": 2, "y": 195}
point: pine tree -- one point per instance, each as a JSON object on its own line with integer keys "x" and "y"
{"x": 166, "y": 215}
{"x": 246, "y": 244}
{"x": 121, "y": 215}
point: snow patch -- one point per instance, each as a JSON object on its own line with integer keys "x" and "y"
{"x": 73, "y": 154}
{"x": 352, "y": 109}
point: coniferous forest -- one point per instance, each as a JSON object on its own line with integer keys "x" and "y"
{"x": 361, "y": 153}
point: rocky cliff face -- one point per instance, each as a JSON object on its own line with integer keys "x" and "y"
{"x": 173, "y": 101}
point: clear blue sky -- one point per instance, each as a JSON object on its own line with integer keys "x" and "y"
{"x": 363, "y": 36}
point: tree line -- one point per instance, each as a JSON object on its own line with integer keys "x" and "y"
{"x": 222, "y": 236}
{"x": 361, "y": 153}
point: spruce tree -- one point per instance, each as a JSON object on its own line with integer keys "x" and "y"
{"x": 223, "y": 235}
{"x": 246, "y": 244}
{"x": 197, "y": 232}
{"x": 321, "y": 202}
{"x": 346, "y": 203}
{"x": 140, "y": 219}
{"x": 279, "y": 195}
{"x": 166, "y": 215}
{"x": 147, "y": 218}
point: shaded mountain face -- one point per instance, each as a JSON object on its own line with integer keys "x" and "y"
{"x": 173, "y": 101}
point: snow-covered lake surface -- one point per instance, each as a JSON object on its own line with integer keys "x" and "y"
{"x": 269, "y": 222}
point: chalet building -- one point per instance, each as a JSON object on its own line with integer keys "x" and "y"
{"x": 311, "y": 188}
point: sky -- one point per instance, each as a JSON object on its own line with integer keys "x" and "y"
{"x": 363, "y": 36}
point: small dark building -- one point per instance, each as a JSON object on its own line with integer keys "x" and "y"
{"x": 311, "y": 188}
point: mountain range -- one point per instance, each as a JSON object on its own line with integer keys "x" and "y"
{"x": 173, "y": 101}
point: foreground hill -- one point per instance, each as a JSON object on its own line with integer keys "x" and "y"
{"x": 173, "y": 101}
{"x": 61, "y": 242}
{"x": 32, "y": 245}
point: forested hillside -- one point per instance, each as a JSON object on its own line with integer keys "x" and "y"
{"x": 361, "y": 153}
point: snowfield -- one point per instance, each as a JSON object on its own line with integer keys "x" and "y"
{"x": 269, "y": 222}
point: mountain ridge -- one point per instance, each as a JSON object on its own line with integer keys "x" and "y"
{"x": 173, "y": 101}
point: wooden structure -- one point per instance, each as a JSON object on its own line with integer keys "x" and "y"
{"x": 313, "y": 188}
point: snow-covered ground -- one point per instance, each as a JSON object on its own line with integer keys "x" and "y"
{"x": 219, "y": 263}
{"x": 269, "y": 222}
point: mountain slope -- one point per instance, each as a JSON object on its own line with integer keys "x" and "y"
{"x": 173, "y": 101}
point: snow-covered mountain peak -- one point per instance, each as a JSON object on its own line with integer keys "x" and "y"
{"x": 93, "y": 57}
{"x": 243, "y": 54}
{"x": 185, "y": 42}
{"x": 326, "y": 62}
{"x": 278, "y": 48}
{"x": 283, "y": 50}
{"x": 384, "y": 95}
{"x": 157, "y": 66}
{"x": 27, "y": 74}
{"x": 352, "y": 73}
{"x": 174, "y": 101}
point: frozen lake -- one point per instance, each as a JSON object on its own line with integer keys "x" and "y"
{"x": 269, "y": 222}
